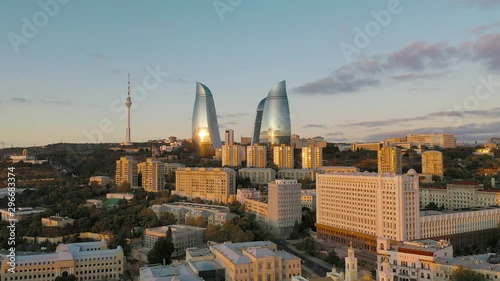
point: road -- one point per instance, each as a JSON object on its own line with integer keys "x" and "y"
{"x": 309, "y": 263}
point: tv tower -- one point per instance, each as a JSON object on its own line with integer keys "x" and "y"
{"x": 128, "y": 103}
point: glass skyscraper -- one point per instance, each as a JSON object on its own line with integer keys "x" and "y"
{"x": 272, "y": 123}
{"x": 206, "y": 137}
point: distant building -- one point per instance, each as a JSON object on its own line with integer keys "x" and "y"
{"x": 57, "y": 221}
{"x": 171, "y": 272}
{"x": 308, "y": 199}
{"x": 20, "y": 213}
{"x": 243, "y": 194}
{"x": 312, "y": 157}
{"x": 394, "y": 141}
{"x": 101, "y": 180}
{"x": 372, "y": 146}
{"x": 73, "y": 258}
{"x": 297, "y": 174}
{"x": 232, "y": 155}
{"x": 126, "y": 171}
{"x": 282, "y": 209}
{"x": 432, "y": 163}
{"x": 256, "y": 156}
{"x": 316, "y": 141}
{"x": 337, "y": 169}
{"x": 229, "y": 137}
{"x": 153, "y": 175}
{"x": 183, "y": 237}
{"x": 125, "y": 196}
{"x": 245, "y": 140}
{"x": 259, "y": 260}
{"x": 258, "y": 175}
{"x": 213, "y": 184}
{"x": 390, "y": 161}
{"x": 170, "y": 168}
{"x": 433, "y": 140}
{"x": 212, "y": 214}
{"x": 283, "y": 156}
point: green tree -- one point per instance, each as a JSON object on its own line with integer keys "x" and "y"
{"x": 332, "y": 258}
{"x": 465, "y": 274}
{"x": 162, "y": 250}
{"x": 66, "y": 277}
{"x": 432, "y": 206}
{"x": 307, "y": 245}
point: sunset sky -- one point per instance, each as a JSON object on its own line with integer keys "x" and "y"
{"x": 432, "y": 67}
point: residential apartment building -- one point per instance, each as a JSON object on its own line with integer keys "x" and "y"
{"x": 389, "y": 160}
{"x": 363, "y": 206}
{"x": 256, "y": 156}
{"x": 170, "y": 168}
{"x": 432, "y": 140}
{"x": 312, "y": 157}
{"x": 258, "y": 175}
{"x": 308, "y": 199}
{"x": 153, "y": 175}
{"x": 212, "y": 214}
{"x": 232, "y": 155}
{"x": 183, "y": 237}
{"x": 283, "y": 156}
{"x": 259, "y": 260}
{"x": 372, "y": 146}
{"x": 297, "y": 174}
{"x": 337, "y": 169}
{"x": 282, "y": 209}
{"x": 126, "y": 171}
{"x": 213, "y": 184}
{"x": 86, "y": 260}
{"x": 432, "y": 163}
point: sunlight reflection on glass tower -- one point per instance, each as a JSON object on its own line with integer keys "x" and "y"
{"x": 274, "y": 124}
{"x": 206, "y": 137}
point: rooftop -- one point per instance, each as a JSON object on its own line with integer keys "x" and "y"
{"x": 168, "y": 272}
{"x": 464, "y": 210}
{"x": 473, "y": 262}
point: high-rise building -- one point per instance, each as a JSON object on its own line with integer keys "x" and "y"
{"x": 231, "y": 155}
{"x": 206, "y": 135}
{"x": 272, "y": 122}
{"x": 126, "y": 171}
{"x": 245, "y": 140}
{"x": 229, "y": 137}
{"x": 363, "y": 206}
{"x": 153, "y": 175}
{"x": 389, "y": 160}
{"x": 258, "y": 122}
{"x": 432, "y": 163}
{"x": 432, "y": 140}
{"x": 312, "y": 157}
{"x": 256, "y": 156}
{"x": 283, "y": 156}
{"x": 213, "y": 184}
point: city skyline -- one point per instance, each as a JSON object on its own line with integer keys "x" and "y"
{"x": 402, "y": 80}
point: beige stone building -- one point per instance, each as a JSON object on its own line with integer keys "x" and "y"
{"x": 432, "y": 163}
{"x": 297, "y": 174}
{"x": 389, "y": 160}
{"x": 372, "y": 146}
{"x": 432, "y": 140}
{"x": 153, "y": 175}
{"x": 256, "y": 156}
{"x": 213, "y": 184}
{"x": 86, "y": 260}
{"x": 460, "y": 194}
{"x": 57, "y": 221}
{"x": 256, "y": 261}
{"x": 183, "y": 237}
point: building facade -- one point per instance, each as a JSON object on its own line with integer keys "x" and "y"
{"x": 206, "y": 137}
{"x": 389, "y": 160}
{"x": 432, "y": 163}
{"x": 183, "y": 237}
{"x": 153, "y": 175}
{"x": 126, "y": 171}
{"x": 213, "y": 184}
{"x": 231, "y": 155}
{"x": 258, "y": 175}
{"x": 460, "y": 194}
{"x": 259, "y": 260}
{"x": 256, "y": 156}
{"x": 170, "y": 168}
{"x": 363, "y": 206}
{"x": 312, "y": 157}
{"x": 57, "y": 221}
{"x": 337, "y": 169}
{"x": 212, "y": 214}
{"x": 86, "y": 260}
{"x": 432, "y": 140}
{"x": 297, "y": 174}
{"x": 371, "y": 146}
{"x": 283, "y": 156}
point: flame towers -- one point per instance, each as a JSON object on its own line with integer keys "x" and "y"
{"x": 206, "y": 137}
{"x": 272, "y": 122}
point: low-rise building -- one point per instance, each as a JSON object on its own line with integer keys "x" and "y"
{"x": 372, "y": 146}
{"x": 183, "y": 237}
{"x": 212, "y": 214}
{"x": 258, "y": 175}
{"x": 247, "y": 193}
{"x": 213, "y": 184}
{"x": 337, "y": 169}
{"x": 259, "y": 260}
{"x": 86, "y": 260}
{"x": 125, "y": 196}
{"x": 297, "y": 174}
{"x": 460, "y": 194}
{"x": 308, "y": 199}
{"x": 20, "y": 213}
{"x": 57, "y": 221}
{"x": 101, "y": 180}
{"x": 170, "y": 168}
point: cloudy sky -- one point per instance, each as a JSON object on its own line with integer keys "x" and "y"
{"x": 355, "y": 71}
